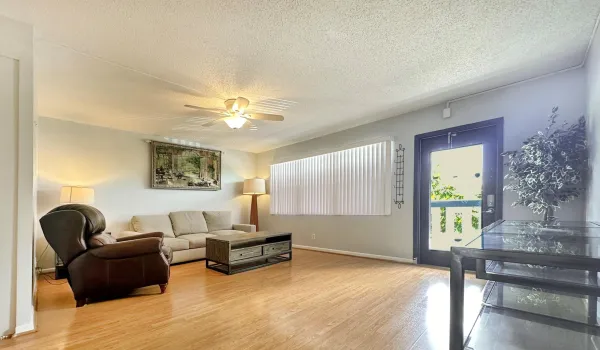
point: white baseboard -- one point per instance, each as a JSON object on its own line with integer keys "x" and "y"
{"x": 50, "y": 269}
{"x": 362, "y": 255}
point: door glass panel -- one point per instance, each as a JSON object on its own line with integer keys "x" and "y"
{"x": 455, "y": 196}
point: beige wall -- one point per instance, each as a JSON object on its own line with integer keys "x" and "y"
{"x": 592, "y": 68}
{"x": 117, "y": 165}
{"x": 525, "y": 108}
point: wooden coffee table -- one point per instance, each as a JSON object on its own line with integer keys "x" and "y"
{"x": 236, "y": 253}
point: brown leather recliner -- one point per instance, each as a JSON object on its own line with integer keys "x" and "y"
{"x": 99, "y": 265}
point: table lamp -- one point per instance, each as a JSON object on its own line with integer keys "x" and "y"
{"x": 254, "y": 187}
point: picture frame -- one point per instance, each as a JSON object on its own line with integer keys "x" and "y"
{"x": 180, "y": 167}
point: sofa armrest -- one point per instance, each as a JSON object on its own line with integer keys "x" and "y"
{"x": 119, "y": 235}
{"x": 141, "y": 235}
{"x": 244, "y": 227}
{"x": 128, "y": 249}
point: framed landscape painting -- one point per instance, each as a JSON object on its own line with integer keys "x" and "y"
{"x": 180, "y": 167}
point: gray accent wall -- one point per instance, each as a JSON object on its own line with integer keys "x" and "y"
{"x": 592, "y": 68}
{"x": 525, "y": 108}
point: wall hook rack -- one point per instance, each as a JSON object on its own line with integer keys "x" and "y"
{"x": 399, "y": 175}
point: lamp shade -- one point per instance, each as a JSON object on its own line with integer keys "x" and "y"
{"x": 254, "y": 186}
{"x": 79, "y": 195}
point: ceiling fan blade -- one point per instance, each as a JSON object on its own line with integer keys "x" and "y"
{"x": 265, "y": 116}
{"x": 214, "y": 110}
{"x": 211, "y": 123}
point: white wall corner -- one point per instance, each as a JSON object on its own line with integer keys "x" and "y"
{"x": 18, "y": 202}
{"x": 25, "y": 328}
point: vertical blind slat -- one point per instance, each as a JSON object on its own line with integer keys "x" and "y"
{"x": 348, "y": 182}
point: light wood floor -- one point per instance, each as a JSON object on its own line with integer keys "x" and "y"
{"x": 316, "y": 301}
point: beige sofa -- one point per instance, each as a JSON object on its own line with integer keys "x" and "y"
{"x": 186, "y": 231}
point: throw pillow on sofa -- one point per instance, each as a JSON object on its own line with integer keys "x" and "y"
{"x": 218, "y": 220}
{"x": 188, "y": 222}
{"x": 152, "y": 223}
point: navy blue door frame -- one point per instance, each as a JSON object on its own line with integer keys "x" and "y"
{"x": 421, "y": 182}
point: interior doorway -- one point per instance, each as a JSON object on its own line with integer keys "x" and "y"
{"x": 458, "y": 187}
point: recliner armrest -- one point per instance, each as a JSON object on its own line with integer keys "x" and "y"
{"x": 128, "y": 249}
{"x": 141, "y": 235}
{"x": 244, "y": 227}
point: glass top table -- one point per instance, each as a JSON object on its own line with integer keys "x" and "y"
{"x": 543, "y": 276}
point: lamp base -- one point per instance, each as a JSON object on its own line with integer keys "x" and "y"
{"x": 254, "y": 211}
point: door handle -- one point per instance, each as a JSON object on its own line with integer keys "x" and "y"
{"x": 489, "y": 211}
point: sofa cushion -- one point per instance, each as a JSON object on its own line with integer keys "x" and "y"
{"x": 226, "y": 232}
{"x": 186, "y": 222}
{"x": 197, "y": 240}
{"x": 152, "y": 223}
{"x": 176, "y": 244}
{"x": 218, "y": 220}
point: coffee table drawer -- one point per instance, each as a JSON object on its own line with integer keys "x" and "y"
{"x": 276, "y": 248}
{"x": 245, "y": 253}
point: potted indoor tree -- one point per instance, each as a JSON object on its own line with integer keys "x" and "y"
{"x": 548, "y": 169}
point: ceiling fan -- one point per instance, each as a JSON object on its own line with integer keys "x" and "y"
{"x": 236, "y": 115}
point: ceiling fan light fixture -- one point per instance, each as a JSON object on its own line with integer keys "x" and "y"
{"x": 235, "y": 122}
{"x": 229, "y": 105}
{"x": 234, "y": 115}
{"x": 240, "y": 104}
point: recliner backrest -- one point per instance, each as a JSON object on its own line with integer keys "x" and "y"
{"x": 68, "y": 227}
{"x": 95, "y": 222}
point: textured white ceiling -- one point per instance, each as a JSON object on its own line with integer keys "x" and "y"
{"x": 132, "y": 65}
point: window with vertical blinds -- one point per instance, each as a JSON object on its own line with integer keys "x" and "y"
{"x": 355, "y": 181}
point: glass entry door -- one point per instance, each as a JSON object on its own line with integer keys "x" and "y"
{"x": 459, "y": 185}
{"x": 456, "y": 187}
